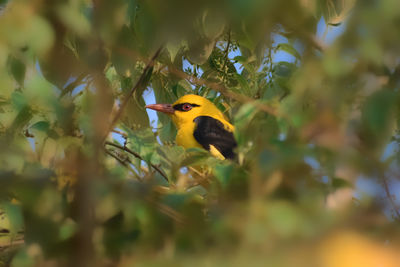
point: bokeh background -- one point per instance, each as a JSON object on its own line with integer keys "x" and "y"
{"x": 88, "y": 177}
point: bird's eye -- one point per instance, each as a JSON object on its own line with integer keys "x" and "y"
{"x": 186, "y": 107}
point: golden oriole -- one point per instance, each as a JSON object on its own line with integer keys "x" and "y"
{"x": 200, "y": 124}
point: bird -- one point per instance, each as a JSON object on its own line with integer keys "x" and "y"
{"x": 200, "y": 124}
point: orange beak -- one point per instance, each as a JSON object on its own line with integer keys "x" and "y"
{"x": 166, "y": 108}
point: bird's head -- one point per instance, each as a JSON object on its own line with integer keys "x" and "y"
{"x": 187, "y": 108}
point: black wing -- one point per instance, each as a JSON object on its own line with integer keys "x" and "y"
{"x": 209, "y": 131}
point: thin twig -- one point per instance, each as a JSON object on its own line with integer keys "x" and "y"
{"x": 200, "y": 180}
{"x": 389, "y": 195}
{"x": 226, "y": 54}
{"x": 315, "y": 42}
{"x": 167, "y": 210}
{"x": 224, "y": 91}
{"x": 124, "y": 135}
{"x": 70, "y": 87}
{"x": 13, "y": 243}
{"x": 134, "y": 88}
{"x": 123, "y": 163}
{"x": 137, "y": 156}
{"x": 213, "y": 85}
{"x": 310, "y": 38}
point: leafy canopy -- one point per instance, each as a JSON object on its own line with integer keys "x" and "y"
{"x": 87, "y": 178}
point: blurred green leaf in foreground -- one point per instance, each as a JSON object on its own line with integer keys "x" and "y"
{"x": 89, "y": 178}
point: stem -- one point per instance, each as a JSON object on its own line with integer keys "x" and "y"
{"x": 134, "y": 88}
{"x": 226, "y": 52}
{"x": 224, "y": 91}
{"x": 389, "y": 196}
{"x": 133, "y": 153}
{"x": 123, "y": 163}
{"x": 78, "y": 81}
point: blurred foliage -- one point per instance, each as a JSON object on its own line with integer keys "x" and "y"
{"x": 87, "y": 180}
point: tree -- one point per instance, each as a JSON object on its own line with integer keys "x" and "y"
{"x": 87, "y": 179}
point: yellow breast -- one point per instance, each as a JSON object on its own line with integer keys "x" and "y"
{"x": 184, "y": 136}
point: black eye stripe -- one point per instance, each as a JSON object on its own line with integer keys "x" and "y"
{"x": 180, "y": 106}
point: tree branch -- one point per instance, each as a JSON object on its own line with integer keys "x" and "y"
{"x": 213, "y": 85}
{"x": 123, "y": 163}
{"x": 14, "y": 243}
{"x": 224, "y": 91}
{"x": 70, "y": 87}
{"x": 140, "y": 81}
{"x": 168, "y": 211}
{"x": 226, "y": 53}
{"x": 310, "y": 38}
{"x": 133, "y": 153}
{"x": 389, "y": 196}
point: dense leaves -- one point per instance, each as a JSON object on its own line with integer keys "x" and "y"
{"x": 88, "y": 177}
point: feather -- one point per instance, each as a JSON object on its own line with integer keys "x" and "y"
{"x": 211, "y": 132}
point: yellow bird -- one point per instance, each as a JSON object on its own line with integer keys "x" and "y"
{"x": 200, "y": 124}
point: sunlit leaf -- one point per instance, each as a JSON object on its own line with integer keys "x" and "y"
{"x": 18, "y": 69}
{"x": 289, "y": 49}
{"x": 89, "y": 177}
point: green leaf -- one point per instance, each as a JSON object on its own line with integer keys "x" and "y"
{"x": 173, "y": 50}
{"x": 68, "y": 229}
{"x": 213, "y": 24}
{"x": 223, "y": 174}
{"x": 240, "y": 59}
{"x": 135, "y": 115}
{"x": 18, "y": 100}
{"x": 341, "y": 183}
{"x": 72, "y": 17}
{"x": 335, "y": 12}
{"x": 40, "y": 92}
{"x": 14, "y": 215}
{"x": 378, "y": 111}
{"x": 200, "y": 50}
{"x": 175, "y": 201}
{"x": 42, "y": 126}
{"x": 60, "y": 74}
{"x": 167, "y": 132}
{"x": 288, "y": 48}
{"x": 187, "y": 87}
{"x": 244, "y": 115}
{"x": 195, "y": 157}
{"x": 285, "y": 219}
{"x": 242, "y": 120}
{"x": 276, "y": 90}
{"x": 244, "y": 85}
{"x": 142, "y": 142}
{"x": 164, "y": 94}
{"x": 284, "y": 69}
{"x": 123, "y": 61}
{"x": 17, "y": 69}
{"x": 21, "y": 120}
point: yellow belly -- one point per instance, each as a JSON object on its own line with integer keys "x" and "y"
{"x": 185, "y": 138}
